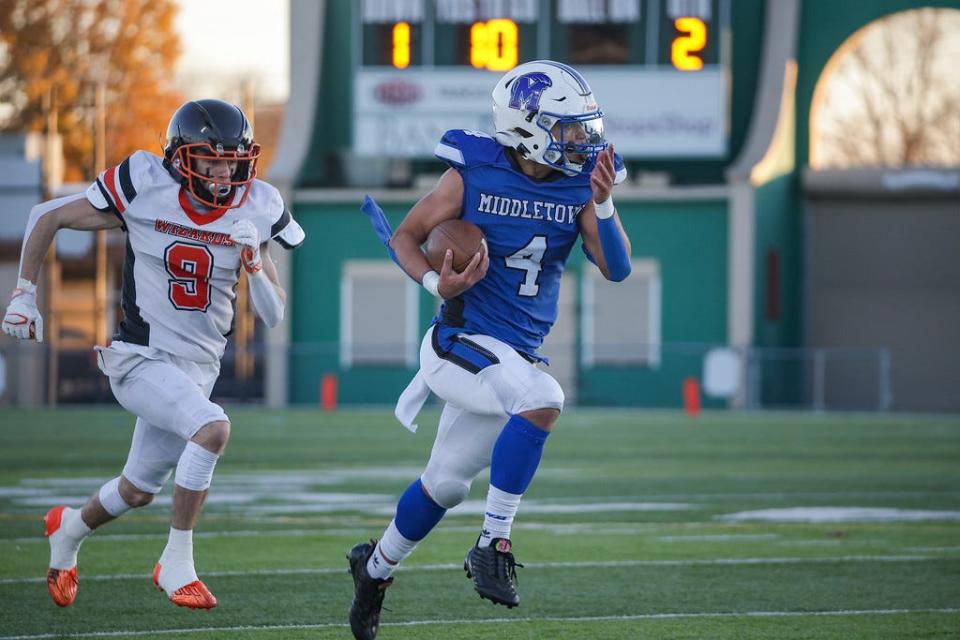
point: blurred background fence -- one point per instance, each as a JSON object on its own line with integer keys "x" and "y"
{"x": 810, "y": 379}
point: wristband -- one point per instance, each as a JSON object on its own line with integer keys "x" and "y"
{"x": 25, "y": 286}
{"x": 604, "y": 209}
{"x": 250, "y": 258}
{"x": 431, "y": 282}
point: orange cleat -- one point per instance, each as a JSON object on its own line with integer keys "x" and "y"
{"x": 52, "y": 519}
{"x": 61, "y": 583}
{"x": 192, "y": 596}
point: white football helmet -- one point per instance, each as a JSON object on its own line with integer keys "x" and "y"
{"x": 546, "y": 111}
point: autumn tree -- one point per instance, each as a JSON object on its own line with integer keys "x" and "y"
{"x": 890, "y": 96}
{"x": 54, "y": 53}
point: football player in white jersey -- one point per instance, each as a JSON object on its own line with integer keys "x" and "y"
{"x": 194, "y": 219}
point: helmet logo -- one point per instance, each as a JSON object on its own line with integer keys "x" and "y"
{"x": 527, "y": 89}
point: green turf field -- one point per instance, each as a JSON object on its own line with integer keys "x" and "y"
{"x": 637, "y": 526}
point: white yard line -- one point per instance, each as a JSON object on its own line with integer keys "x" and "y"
{"x": 612, "y": 564}
{"x": 252, "y": 533}
{"x": 598, "y": 528}
{"x": 419, "y": 623}
{"x": 719, "y": 537}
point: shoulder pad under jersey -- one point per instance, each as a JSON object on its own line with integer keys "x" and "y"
{"x": 283, "y": 228}
{"x": 117, "y": 187}
{"x": 461, "y": 148}
{"x": 287, "y": 232}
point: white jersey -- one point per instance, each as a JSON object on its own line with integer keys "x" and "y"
{"x": 181, "y": 268}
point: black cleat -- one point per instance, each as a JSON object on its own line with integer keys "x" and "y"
{"x": 493, "y": 570}
{"x": 367, "y": 593}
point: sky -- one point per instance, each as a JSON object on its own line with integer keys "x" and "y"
{"x": 225, "y": 41}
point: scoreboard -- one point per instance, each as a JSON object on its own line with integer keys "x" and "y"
{"x": 658, "y": 69}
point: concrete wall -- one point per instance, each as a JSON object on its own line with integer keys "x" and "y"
{"x": 688, "y": 236}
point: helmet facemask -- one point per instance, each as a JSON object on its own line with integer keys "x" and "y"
{"x": 215, "y": 191}
{"x": 575, "y": 140}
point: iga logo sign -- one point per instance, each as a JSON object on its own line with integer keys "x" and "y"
{"x": 397, "y": 92}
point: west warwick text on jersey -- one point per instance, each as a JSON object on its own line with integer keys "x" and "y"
{"x": 206, "y": 237}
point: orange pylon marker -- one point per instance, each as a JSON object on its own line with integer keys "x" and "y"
{"x": 328, "y": 392}
{"x": 691, "y": 396}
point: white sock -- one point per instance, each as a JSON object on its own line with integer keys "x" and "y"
{"x": 176, "y": 562}
{"x": 498, "y": 519}
{"x": 65, "y": 542}
{"x": 390, "y": 551}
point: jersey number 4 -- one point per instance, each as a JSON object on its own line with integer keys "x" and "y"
{"x": 529, "y": 260}
{"x": 190, "y": 267}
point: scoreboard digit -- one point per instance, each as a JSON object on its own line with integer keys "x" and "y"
{"x": 494, "y": 44}
{"x": 687, "y": 47}
{"x": 401, "y": 45}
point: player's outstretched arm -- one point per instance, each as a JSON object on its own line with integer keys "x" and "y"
{"x": 442, "y": 203}
{"x": 22, "y": 318}
{"x": 600, "y": 227}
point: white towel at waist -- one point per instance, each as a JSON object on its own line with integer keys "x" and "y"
{"x": 411, "y": 401}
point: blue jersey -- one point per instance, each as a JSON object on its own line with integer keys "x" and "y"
{"x": 530, "y": 226}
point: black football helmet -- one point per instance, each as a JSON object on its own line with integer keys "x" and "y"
{"x": 211, "y": 130}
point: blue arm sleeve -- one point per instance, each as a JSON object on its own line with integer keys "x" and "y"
{"x": 586, "y": 252}
{"x": 614, "y": 249}
{"x": 381, "y": 226}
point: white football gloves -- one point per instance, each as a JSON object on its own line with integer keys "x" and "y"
{"x": 245, "y": 236}
{"x": 23, "y": 320}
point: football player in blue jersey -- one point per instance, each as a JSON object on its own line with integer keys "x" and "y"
{"x": 543, "y": 181}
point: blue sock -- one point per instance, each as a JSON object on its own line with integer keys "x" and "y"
{"x": 416, "y": 513}
{"x": 516, "y": 455}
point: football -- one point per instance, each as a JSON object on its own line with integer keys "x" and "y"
{"x": 462, "y": 237}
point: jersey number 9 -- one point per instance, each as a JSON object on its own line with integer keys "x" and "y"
{"x": 190, "y": 267}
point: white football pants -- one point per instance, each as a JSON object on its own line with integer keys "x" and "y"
{"x": 170, "y": 397}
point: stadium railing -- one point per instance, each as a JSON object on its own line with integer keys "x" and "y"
{"x": 632, "y": 375}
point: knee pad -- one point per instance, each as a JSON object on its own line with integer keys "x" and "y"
{"x": 545, "y": 393}
{"x": 195, "y": 468}
{"x": 111, "y": 500}
{"x": 461, "y": 451}
{"x": 447, "y": 487}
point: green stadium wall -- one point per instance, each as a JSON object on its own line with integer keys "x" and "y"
{"x": 689, "y": 239}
